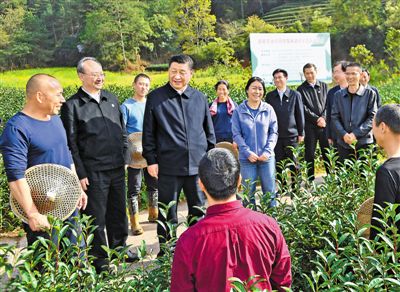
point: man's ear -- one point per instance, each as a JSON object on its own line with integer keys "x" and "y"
{"x": 239, "y": 181}
{"x": 39, "y": 97}
{"x": 202, "y": 187}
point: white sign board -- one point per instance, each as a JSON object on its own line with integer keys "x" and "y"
{"x": 290, "y": 51}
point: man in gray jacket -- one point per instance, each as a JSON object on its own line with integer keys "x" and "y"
{"x": 352, "y": 114}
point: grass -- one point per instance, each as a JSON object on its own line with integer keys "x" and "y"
{"x": 68, "y": 77}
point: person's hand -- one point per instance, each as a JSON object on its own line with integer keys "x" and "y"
{"x": 82, "y": 202}
{"x": 321, "y": 122}
{"x": 38, "y": 222}
{"x": 84, "y": 183}
{"x": 252, "y": 157}
{"x": 263, "y": 157}
{"x": 153, "y": 170}
{"x": 353, "y": 138}
{"x": 300, "y": 139}
{"x": 234, "y": 145}
{"x": 330, "y": 141}
{"x": 349, "y": 138}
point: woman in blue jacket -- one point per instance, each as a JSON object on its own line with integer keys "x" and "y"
{"x": 255, "y": 131}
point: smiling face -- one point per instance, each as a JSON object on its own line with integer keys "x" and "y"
{"x": 92, "y": 76}
{"x": 141, "y": 87}
{"x": 222, "y": 92}
{"x": 255, "y": 93}
{"x": 353, "y": 75}
{"x": 51, "y": 97}
{"x": 364, "y": 78}
{"x": 179, "y": 75}
{"x": 338, "y": 74}
{"x": 280, "y": 80}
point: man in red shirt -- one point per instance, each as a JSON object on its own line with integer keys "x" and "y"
{"x": 230, "y": 241}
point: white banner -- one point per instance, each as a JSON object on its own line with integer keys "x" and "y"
{"x": 290, "y": 51}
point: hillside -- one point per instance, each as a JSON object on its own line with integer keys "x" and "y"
{"x": 284, "y": 14}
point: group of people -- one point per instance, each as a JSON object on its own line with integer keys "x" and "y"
{"x": 267, "y": 126}
{"x": 179, "y": 129}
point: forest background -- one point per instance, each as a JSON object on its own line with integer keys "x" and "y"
{"x": 133, "y": 35}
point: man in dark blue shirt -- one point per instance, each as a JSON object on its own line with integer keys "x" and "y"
{"x": 177, "y": 132}
{"x": 35, "y": 136}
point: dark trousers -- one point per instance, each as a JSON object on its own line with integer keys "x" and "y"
{"x": 135, "y": 185}
{"x": 350, "y": 153}
{"x": 283, "y": 151}
{"x": 169, "y": 188}
{"x": 107, "y": 205}
{"x": 312, "y": 136}
{"x": 32, "y": 236}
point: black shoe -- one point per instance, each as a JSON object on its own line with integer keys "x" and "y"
{"x": 131, "y": 257}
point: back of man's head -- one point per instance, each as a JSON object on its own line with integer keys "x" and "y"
{"x": 219, "y": 171}
{"x": 390, "y": 115}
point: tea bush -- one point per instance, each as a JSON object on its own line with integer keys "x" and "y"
{"x": 328, "y": 252}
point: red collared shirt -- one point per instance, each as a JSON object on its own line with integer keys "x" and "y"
{"x": 230, "y": 241}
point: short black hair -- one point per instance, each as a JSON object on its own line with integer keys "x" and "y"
{"x": 219, "y": 171}
{"x": 309, "y": 65}
{"x": 353, "y": 64}
{"x": 342, "y": 63}
{"x": 279, "y": 70}
{"x": 224, "y": 82}
{"x": 181, "y": 59}
{"x": 366, "y": 71}
{"x": 140, "y": 75}
{"x": 390, "y": 115}
{"x": 254, "y": 79}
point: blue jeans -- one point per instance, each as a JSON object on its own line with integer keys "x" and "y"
{"x": 262, "y": 171}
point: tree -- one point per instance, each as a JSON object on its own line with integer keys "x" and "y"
{"x": 392, "y": 43}
{"x": 116, "y": 30}
{"x": 195, "y": 25}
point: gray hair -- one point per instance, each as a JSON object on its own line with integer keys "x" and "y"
{"x": 79, "y": 67}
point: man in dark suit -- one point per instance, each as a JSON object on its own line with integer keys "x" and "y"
{"x": 177, "y": 132}
{"x": 97, "y": 140}
{"x": 313, "y": 93}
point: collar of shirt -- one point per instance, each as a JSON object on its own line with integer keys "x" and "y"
{"x": 360, "y": 91}
{"x": 96, "y": 97}
{"x": 225, "y": 207}
{"x": 180, "y": 92}
{"x": 281, "y": 93}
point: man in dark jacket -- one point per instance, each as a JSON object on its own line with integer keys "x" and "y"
{"x": 289, "y": 110}
{"x": 177, "y": 132}
{"x": 340, "y": 79}
{"x": 352, "y": 114}
{"x": 313, "y": 93}
{"x": 97, "y": 140}
{"x": 365, "y": 78}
